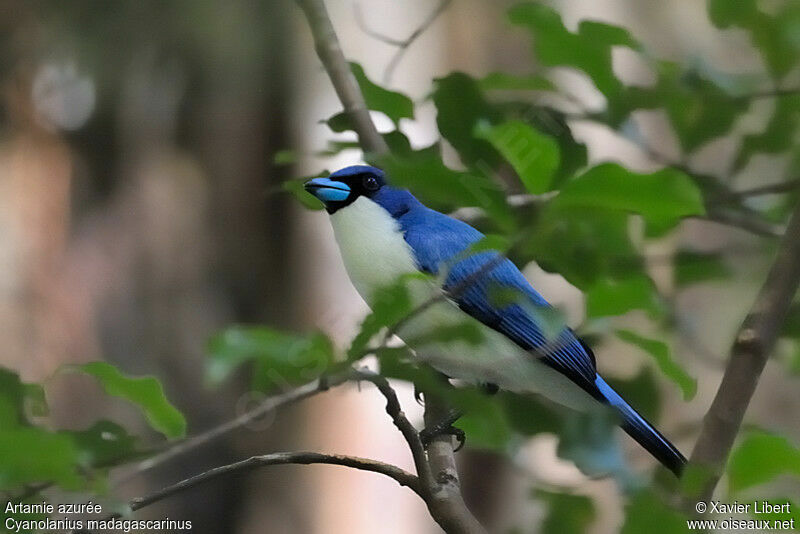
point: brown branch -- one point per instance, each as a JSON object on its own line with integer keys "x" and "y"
{"x": 444, "y": 504}
{"x": 401, "y": 44}
{"x": 769, "y": 189}
{"x": 754, "y": 343}
{"x": 742, "y": 220}
{"x": 768, "y": 93}
{"x": 402, "y": 477}
{"x": 330, "y": 53}
{"x": 402, "y": 423}
{"x": 263, "y": 408}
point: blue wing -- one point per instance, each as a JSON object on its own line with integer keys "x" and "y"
{"x": 439, "y": 243}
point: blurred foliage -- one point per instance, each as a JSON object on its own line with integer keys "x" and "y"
{"x": 147, "y": 393}
{"x": 280, "y": 360}
{"x": 34, "y": 456}
{"x": 759, "y": 458}
{"x": 646, "y": 512}
{"x": 566, "y": 513}
{"x": 576, "y": 219}
{"x": 661, "y": 353}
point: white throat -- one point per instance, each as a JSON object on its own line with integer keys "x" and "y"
{"x": 372, "y": 245}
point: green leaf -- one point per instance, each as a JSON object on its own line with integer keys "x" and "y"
{"x": 698, "y": 108}
{"x": 398, "y": 363}
{"x": 791, "y": 325}
{"x": 309, "y": 201}
{"x": 583, "y": 245}
{"x": 529, "y": 415}
{"x": 30, "y": 455}
{"x": 484, "y": 421}
{"x": 694, "y": 479}
{"x": 394, "y": 105}
{"x": 661, "y": 354}
{"x": 664, "y": 196}
{"x": 566, "y": 513}
{"x": 555, "y": 124}
{"x": 340, "y": 122}
{"x": 284, "y": 157}
{"x": 503, "y": 81}
{"x": 104, "y": 444}
{"x": 647, "y": 513}
{"x": 616, "y": 297}
{"x": 534, "y": 156}
{"x": 468, "y": 332}
{"x": 445, "y": 189}
{"x": 760, "y": 458}
{"x": 281, "y": 359}
{"x": 695, "y": 267}
{"x": 589, "y": 49}
{"x": 793, "y": 362}
{"x": 389, "y": 306}
{"x": 774, "y": 34}
{"x": 779, "y": 135}
{"x": 18, "y": 400}
{"x": 724, "y": 13}
{"x": 145, "y": 392}
{"x": 460, "y": 107}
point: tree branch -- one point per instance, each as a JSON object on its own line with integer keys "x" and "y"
{"x": 769, "y": 189}
{"x": 330, "y": 53}
{"x": 753, "y": 345}
{"x": 768, "y": 93}
{"x": 742, "y": 220}
{"x": 402, "y": 477}
{"x": 401, "y": 44}
{"x": 264, "y": 407}
{"x": 445, "y": 503}
{"x": 402, "y": 423}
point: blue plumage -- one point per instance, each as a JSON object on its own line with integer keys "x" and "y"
{"x": 440, "y": 245}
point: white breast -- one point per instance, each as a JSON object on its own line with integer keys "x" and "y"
{"x": 376, "y": 255}
{"x": 373, "y": 248}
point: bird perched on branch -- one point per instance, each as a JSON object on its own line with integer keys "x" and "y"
{"x": 384, "y": 233}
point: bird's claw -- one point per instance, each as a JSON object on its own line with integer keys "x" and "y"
{"x": 428, "y": 434}
{"x": 418, "y": 395}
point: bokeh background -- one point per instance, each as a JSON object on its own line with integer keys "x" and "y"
{"x": 141, "y": 211}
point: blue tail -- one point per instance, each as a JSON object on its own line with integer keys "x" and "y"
{"x": 643, "y": 432}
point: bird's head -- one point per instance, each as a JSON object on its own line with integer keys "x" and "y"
{"x": 347, "y": 185}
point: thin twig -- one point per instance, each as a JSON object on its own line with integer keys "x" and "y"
{"x": 402, "y": 423}
{"x": 768, "y": 93}
{"x": 401, "y": 44}
{"x": 450, "y": 513}
{"x": 330, "y": 53}
{"x": 400, "y": 476}
{"x": 742, "y": 220}
{"x": 754, "y": 343}
{"x": 263, "y": 408}
{"x": 446, "y": 503}
{"x": 769, "y": 189}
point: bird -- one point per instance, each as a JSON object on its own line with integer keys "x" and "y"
{"x": 385, "y": 232}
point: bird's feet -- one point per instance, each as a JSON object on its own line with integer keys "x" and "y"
{"x": 444, "y": 428}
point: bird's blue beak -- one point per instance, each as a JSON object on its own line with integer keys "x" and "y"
{"x": 327, "y": 190}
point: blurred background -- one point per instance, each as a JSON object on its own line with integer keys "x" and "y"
{"x": 141, "y": 211}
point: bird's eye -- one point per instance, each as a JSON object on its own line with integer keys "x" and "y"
{"x": 370, "y": 183}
